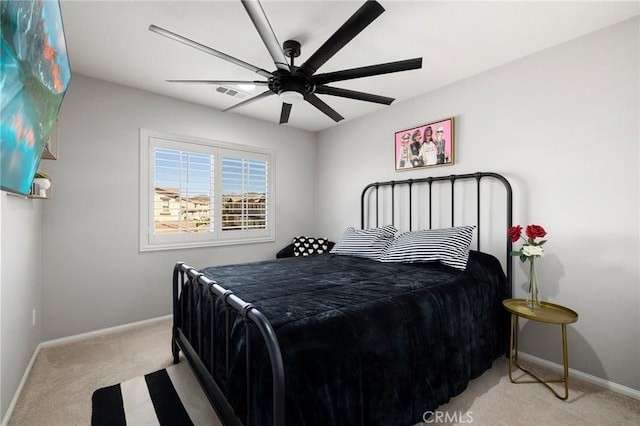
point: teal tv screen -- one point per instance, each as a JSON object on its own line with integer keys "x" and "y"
{"x": 34, "y": 76}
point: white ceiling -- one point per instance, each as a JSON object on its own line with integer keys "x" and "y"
{"x": 110, "y": 40}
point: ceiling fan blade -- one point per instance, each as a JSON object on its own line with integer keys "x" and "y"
{"x": 352, "y": 94}
{"x": 368, "y": 71}
{"x": 260, "y": 21}
{"x": 207, "y": 49}
{"x": 318, "y": 103}
{"x": 232, "y": 82}
{"x": 284, "y": 114}
{"x": 250, "y": 100}
{"x": 367, "y": 13}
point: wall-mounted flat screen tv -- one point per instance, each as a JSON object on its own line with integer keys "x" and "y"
{"x": 34, "y": 75}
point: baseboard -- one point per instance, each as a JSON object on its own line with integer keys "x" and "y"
{"x": 14, "y": 400}
{"x": 102, "y": 332}
{"x": 70, "y": 339}
{"x": 614, "y": 387}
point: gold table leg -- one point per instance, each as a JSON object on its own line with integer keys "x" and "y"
{"x": 513, "y": 358}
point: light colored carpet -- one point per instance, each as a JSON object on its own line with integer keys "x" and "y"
{"x": 63, "y": 378}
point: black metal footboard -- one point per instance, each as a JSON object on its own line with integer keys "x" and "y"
{"x": 187, "y": 334}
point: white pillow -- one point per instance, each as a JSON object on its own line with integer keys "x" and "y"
{"x": 369, "y": 243}
{"x": 449, "y": 246}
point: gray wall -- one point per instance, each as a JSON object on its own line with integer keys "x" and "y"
{"x": 563, "y": 126}
{"x": 20, "y": 270}
{"x": 93, "y": 275}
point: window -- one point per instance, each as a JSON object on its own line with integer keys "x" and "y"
{"x": 244, "y": 184}
{"x": 196, "y": 192}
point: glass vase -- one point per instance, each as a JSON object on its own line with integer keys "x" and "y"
{"x": 533, "y": 297}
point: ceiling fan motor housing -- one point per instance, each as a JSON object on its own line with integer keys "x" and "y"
{"x": 283, "y": 81}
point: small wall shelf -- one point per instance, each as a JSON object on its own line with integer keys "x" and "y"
{"x": 34, "y": 192}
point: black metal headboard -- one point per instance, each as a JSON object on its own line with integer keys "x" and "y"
{"x": 387, "y": 194}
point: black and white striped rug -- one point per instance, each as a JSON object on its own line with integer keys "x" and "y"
{"x": 168, "y": 397}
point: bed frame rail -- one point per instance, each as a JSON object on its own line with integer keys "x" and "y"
{"x": 183, "y": 335}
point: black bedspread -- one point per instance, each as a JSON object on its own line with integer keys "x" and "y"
{"x": 363, "y": 342}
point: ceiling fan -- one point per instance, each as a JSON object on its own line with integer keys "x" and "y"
{"x": 292, "y": 83}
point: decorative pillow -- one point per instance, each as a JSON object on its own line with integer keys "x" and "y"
{"x": 449, "y": 246}
{"x": 306, "y": 246}
{"x": 285, "y": 252}
{"x": 369, "y": 243}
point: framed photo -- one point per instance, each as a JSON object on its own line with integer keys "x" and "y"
{"x": 425, "y": 146}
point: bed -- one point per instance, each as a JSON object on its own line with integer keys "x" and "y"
{"x": 338, "y": 339}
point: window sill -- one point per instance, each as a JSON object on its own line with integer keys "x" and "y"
{"x": 204, "y": 244}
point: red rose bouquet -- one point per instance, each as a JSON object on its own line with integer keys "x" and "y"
{"x": 531, "y": 248}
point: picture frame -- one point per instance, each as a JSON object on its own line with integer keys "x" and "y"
{"x": 411, "y": 152}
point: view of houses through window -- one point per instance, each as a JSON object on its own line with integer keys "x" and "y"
{"x": 185, "y": 191}
{"x": 244, "y": 187}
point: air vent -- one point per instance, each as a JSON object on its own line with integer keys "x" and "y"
{"x": 232, "y": 92}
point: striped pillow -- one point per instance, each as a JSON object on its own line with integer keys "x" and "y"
{"x": 449, "y": 246}
{"x": 369, "y": 243}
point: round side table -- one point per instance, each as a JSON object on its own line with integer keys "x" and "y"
{"x": 548, "y": 313}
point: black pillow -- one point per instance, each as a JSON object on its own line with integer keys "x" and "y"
{"x": 285, "y": 252}
{"x": 308, "y": 246}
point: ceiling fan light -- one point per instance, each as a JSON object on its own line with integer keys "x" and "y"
{"x": 291, "y": 97}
